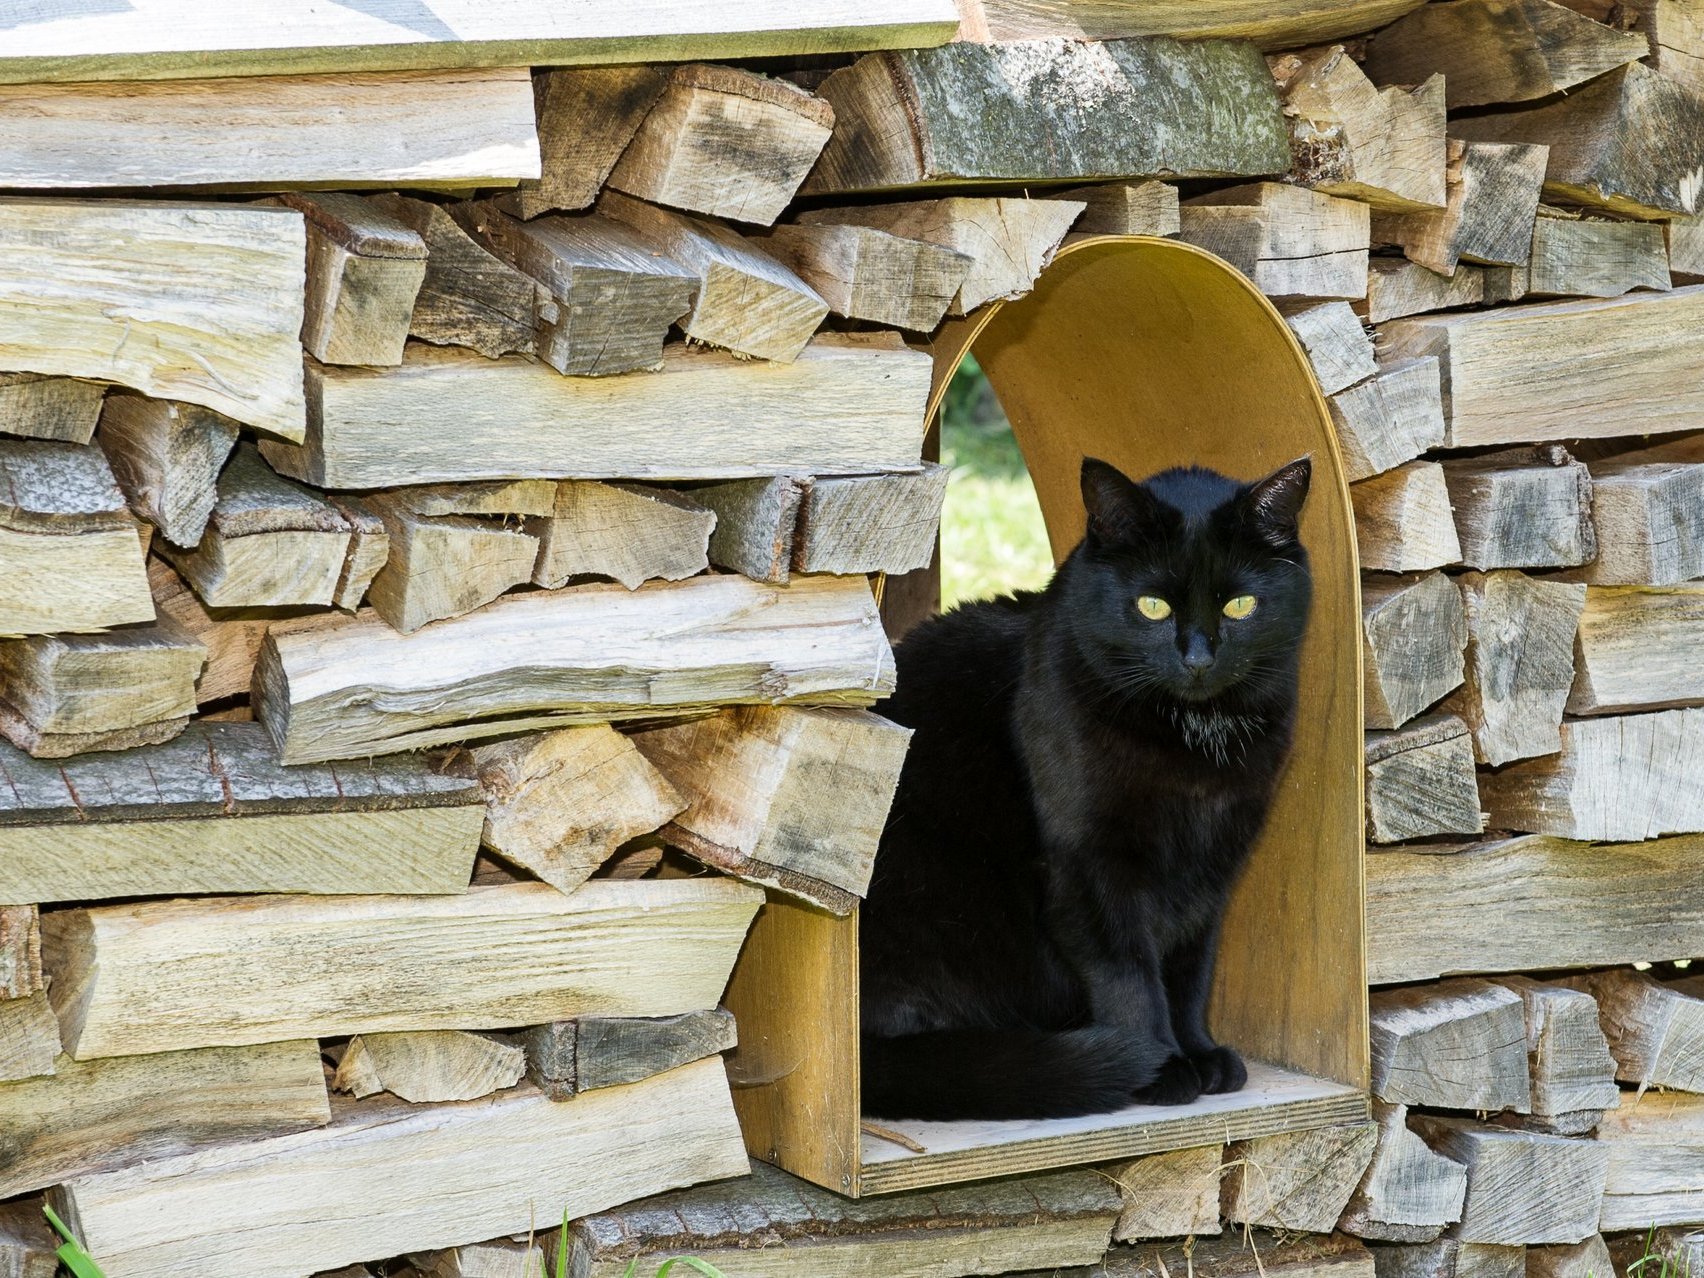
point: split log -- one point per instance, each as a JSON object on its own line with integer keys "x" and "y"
{"x": 1590, "y": 257}
{"x": 1655, "y": 1031}
{"x": 28, "y": 1246}
{"x": 1620, "y": 777}
{"x": 429, "y": 1066}
{"x": 1636, "y": 648}
{"x": 1458, "y": 1045}
{"x": 1588, "y": 1259}
{"x": 560, "y": 804}
{"x": 58, "y": 408}
{"x": 919, "y": 117}
{"x": 1523, "y": 508}
{"x": 586, "y": 118}
{"x": 1522, "y": 1187}
{"x": 224, "y": 971}
{"x": 212, "y": 811}
{"x": 293, "y": 1195}
{"x": 489, "y": 497}
{"x": 443, "y": 565}
{"x": 1619, "y": 143}
{"x": 756, "y": 523}
{"x": 851, "y": 404}
{"x": 1413, "y": 634}
{"x": 1563, "y": 370}
{"x": 870, "y": 523}
{"x": 1573, "y": 1074}
{"x": 1336, "y": 345}
{"x": 166, "y": 457}
{"x": 203, "y": 303}
{"x": 1529, "y": 902}
{"x": 71, "y": 555}
{"x": 1403, "y": 521}
{"x": 868, "y": 274}
{"x": 1383, "y": 147}
{"x": 369, "y": 549}
{"x": 1649, "y": 510}
{"x": 1009, "y": 241}
{"x": 566, "y": 1058}
{"x": 232, "y": 637}
{"x": 771, "y": 1225}
{"x": 1497, "y": 51}
{"x": 1291, "y": 242}
{"x": 1242, "y": 1254}
{"x": 68, "y": 694}
{"x": 793, "y": 799}
{"x": 20, "y": 952}
{"x": 1170, "y": 1195}
{"x": 1296, "y": 1180}
{"x": 585, "y": 654}
{"x": 268, "y": 542}
{"x": 1656, "y": 1162}
{"x": 1392, "y": 417}
{"x": 727, "y": 142}
{"x": 29, "y": 1040}
{"x": 628, "y": 532}
{"x": 1125, "y": 208}
{"x": 1409, "y": 1194}
{"x": 614, "y": 294}
{"x": 1421, "y": 782}
{"x": 1520, "y": 663}
{"x": 500, "y": 1258}
{"x": 1281, "y": 26}
{"x": 1491, "y": 203}
{"x": 98, "y": 1116}
{"x": 1450, "y": 1258}
{"x": 365, "y": 269}
{"x": 1398, "y": 287}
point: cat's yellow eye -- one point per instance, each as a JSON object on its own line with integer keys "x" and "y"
{"x": 1153, "y": 607}
{"x": 1240, "y": 607}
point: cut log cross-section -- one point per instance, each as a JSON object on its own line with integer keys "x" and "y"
{"x": 1525, "y": 508}
{"x": 1169, "y": 1195}
{"x": 566, "y": 1058}
{"x": 869, "y": 274}
{"x": 1297, "y": 1180}
{"x": 1591, "y": 257}
{"x": 757, "y": 521}
{"x": 1522, "y": 1187}
{"x": 1655, "y": 1031}
{"x": 1491, "y": 202}
{"x": 1413, "y": 635}
{"x": 1409, "y": 1194}
{"x": 870, "y": 523}
{"x": 429, "y": 1066}
{"x": 1656, "y": 1167}
{"x": 1293, "y": 243}
{"x": 1336, "y": 344}
{"x": 1635, "y": 648}
{"x": 1421, "y": 781}
{"x": 629, "y": 532}
{"x": 1398, "y": 287}
{"x": 365, "y": 269}
{"x": 1648, "y": 507}
{"x": 586, "y": 118}
{"x": 1458, "y": 1045}
{"x": 1390, "y": 418}
{"x": 1403, "y": 521}
{"x": 167, "y": 458}
{"x": 1573, "y": 1074}
{"x": 60, "y": 408}
{"x": 232, "y": 638}
{"x": 1125, "y": 208}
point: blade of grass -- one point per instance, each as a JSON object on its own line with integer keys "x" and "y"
{"x": 72, "y": 1255}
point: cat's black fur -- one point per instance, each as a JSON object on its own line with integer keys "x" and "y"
{"x": 1081, "y": 793}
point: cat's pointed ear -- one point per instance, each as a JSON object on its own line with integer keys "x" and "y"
{"x": 1117, "y": 506}
{"x": 1275, "y": 503}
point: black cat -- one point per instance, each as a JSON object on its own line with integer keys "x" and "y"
{"x": 1091, "y": 765}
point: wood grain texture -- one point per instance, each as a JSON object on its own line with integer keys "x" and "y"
{"x": 630, "y": 532}
{"x": 1451, "y": 1258}
{"x": 429, "y": 1066}
{"x": 1655, "y": 1146}
{"x": 1648, "y": 506}
{"x": 1523, "y": 508}
{"x": 1390, "y": 418}
{"x": 1491, "y": 202}
{"x": 1573, "y": 1074}
{"x": 1633, "y": 649}
{"x": 1413, "y": 639}
{"x": 1520, "y": 663}
{"x": 20, "y": 952}
{"x": 36, "y": 407}
{"x": 1403, "y": 519}
{"x": 29, "y": 1038}
{"x": 1590, "y": 257}
{"x": 232, "y": 636}
{"x": 166, "y": 457}
{"x": 365, "y": 269}
{"x": 565, "y": 1058}
{"x": 1522, "y": 1187}
{"x": 1655, "y": 1031}
{"x": 757, "y": 521}
{"x": 132, "y": 979}
{"x": 439, "y": 566}
{"x": 1421, "y": 781}
{"x": 1125, "y": 208}
{"x": 1408, "y": 1194}
{"x": 1336, "y": 344}
{"x": 1170, "y": 1195}
{"x": 1459, "y": 1045}
{"x": 586, "y": 117}
{"x": 869, "y": 274}
{"x": 1398, "y": 287}
{"x": 1292, "y": 242}
{"x": 1297, "y": 1180}
{"x": 870, "y": 523}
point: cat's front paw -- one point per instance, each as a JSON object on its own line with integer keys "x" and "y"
{"x": 1177, "y": 1084}
{"x": 1220, "y": 1070}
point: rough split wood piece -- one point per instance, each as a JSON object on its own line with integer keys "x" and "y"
{"x": 974, "y": 113}
{"x": 566, "y": 1058}
{"x": 560, "y": 804}
{"x": 1282, "y": 26}
{"x": 68, "y": 694}
{"x": 1491, "y": 203}
{"x": 1636, "y": 648}
{"x": 28, "y": 1246}
{"x": 1655, "y": 1031}
{"x": 725, "y": 141}
{"x": 1291, "y": 242}
{"x": 282, "y": 966}
{"x": 1497, "y": 51}
{"x": 1242, "y": 1253}
{"x": 1592, "y": 257}
{"x": 499, "y": 1258}
{"x": 1521, "y": 1186}
{"x": 212, "y": 811}
{"x": 771, "y": 1225}
{"x": 1564, "y": 370}
{"x": 20, "y": 952}
{"x": 1588, "y": 1259}
{"x": 1170, "y": 1195}
{"x": 1403, "y": 521}
{"x": 586, "y": 118}
{"x": 629, "y": 532}
{"x": 1398, "y": 287}
{"x": 204, "y": 304}
{"x": 1125, "y": 208}
{"x": 232, "y": 637}
{"x": 1413, "y": 635}
{"x": 867, "y": 274}
{"x": 1390, "y": 418}
{"x": 1655, "y": 1145}
{"x": 615, "y": 293}
{"x": 1421, "y": 781}
{"x": 496, "y": 1165}
{"x": 1618, "y": 777}
{"x": 429, "y": 1066}
{"x": 1009, "y": 240}
{"x": 853, "y": 403}
{"x": 1336, "y": 344}
{"x": 443, "y": 565}
{"x": 1457, "y": 1045}
{"x": 166, "y": 457}
{"x": 870, "y": 523}
{"x": 98, "y": 1116}
{"x": 1684, "y": 238}
{"x": 1297, "y": 1180}
{"x": 794, "y": 799}
{"x": 1573, "y": 1074}
{"x": 1522, "y": 508}
{"x": 1619, "y": 143}
{"x": 38, "y": 407}
{"x": 1383, "y": 147}
{"x": 1520, "y": 663}
{"x": 369, "y": 548}
{"x": 71, "y": 555}
{"x": 1450, "y": 1258}
{"x": 1409, "y": 1194}
{"x": 756, "y": 523}
{"x": 365, "y": 269}
{"x": 29, "y": 1039}
{"x": 1648, "y": 507}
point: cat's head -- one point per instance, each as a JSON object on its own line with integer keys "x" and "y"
{"x": 1191, "y": 585}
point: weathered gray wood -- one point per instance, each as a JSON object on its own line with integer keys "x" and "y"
{"x": 20, "y": 952}
{"x": 440, "y": 566}
{"x": 29, "y": 1038}
{"x": 870, "y": 523}
{"x": 1491, "y": 202}
{"x": 1655, "y": 1031}
{"x": 966, "y": 113}
{"x": 1408, "y": 1194}
{"x": 1648, "y": 507}
{"x": 1413, "y": 637}
{"x": 365, "y": 269}
{"x": 39, "y": 407}
{"x": 28, "y": 1247}
{"x": 429, "y": 1066}
{"x": 1520, "y": 663}
{"x": 232, "y": 637}
{"x": 1336, "y": 345}
{"x": 585, "y": 654}
{"x": 1588, "y": 1259}
{"x": 166, "y": 457}
{"x": 1390, "y": 418}
{"x": 1656, "y": 1167}
{"x": 1398, "y": 287}
{"x": 1421, "y": 782}
{"x": 1592, "y": 257}
{"x": 1522, "y": 1187}
{"x": 369, "y": 548}
{"x": 1403, "y": 521}
{"x": 756, "y": 522}
{"x": 1125, "y": 208}
{"x": 1297, "y": 1180}
{"x": 869, "y": 274}
{"x": 1170, "y": 1195}
{"x": 1450, "y": 1258}
{"x": 1457, "y": 1045}
{"x": 565, "y": 1058}
{"x": 628, "y": 532}
{"x": 1292, "y": 242}
{"x": 1573, "y": 1074}
{"x": 1285, "y": 25}
{"x": 1242, "y": 1253}
{"x": 1634, "y": 649}
{"x": 1523, "y": 508}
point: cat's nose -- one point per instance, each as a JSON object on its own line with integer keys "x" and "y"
{"x": 1197, "y": 654}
